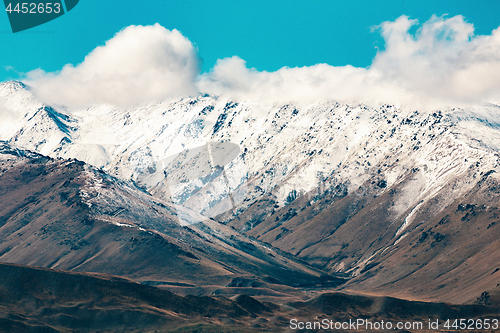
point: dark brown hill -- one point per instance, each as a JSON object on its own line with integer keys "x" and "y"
{"x": 34, "y": 299}
{"x": 37, "y": 299}
{"x": 67, "y": 215}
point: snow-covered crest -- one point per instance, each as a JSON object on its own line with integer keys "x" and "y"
{"x": 283, "y": 148}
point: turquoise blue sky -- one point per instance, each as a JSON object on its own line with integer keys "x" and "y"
{"x": 266, "y": 34}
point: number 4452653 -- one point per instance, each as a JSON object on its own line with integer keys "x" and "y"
{"x": 472, "y": 324}
{"x": 35, "y": 8}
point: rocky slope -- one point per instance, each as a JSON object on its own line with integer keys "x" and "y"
{"x": 65, "y": 214}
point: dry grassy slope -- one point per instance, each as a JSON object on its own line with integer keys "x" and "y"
{"x": 44, "y": 300}
{"x": 46, "y": 220}
{"x": 67, "y": 301}
{"x": 450, "y": 256}
{"x": 45, "y": 223}
{"x": 453, "y": 256}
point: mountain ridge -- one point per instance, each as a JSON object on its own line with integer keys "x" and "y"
{"x": 66, "y": 214}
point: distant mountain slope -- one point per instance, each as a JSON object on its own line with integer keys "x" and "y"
{"x": 356, "y": 234}
{"x": 65, "y": 214}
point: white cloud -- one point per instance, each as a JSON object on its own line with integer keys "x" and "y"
{"x": 306, "y": 84}
{"x": 138, "y": 65}
{"x": 442, "y": 64}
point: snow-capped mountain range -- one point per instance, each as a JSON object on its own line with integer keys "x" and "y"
{"x": 283, "y": 148}
{"x": 280, "y": 152}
